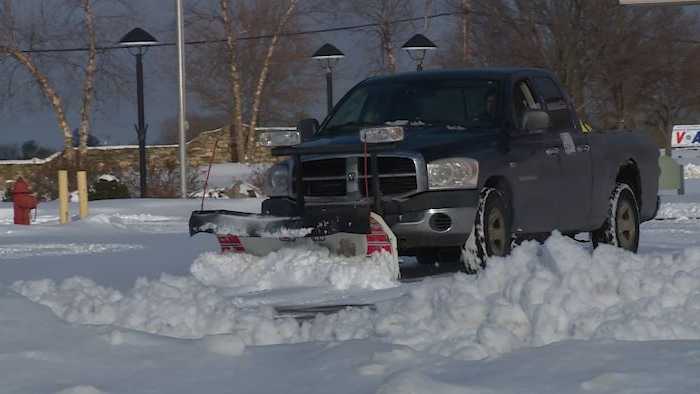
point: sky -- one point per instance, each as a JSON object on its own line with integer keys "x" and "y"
{"x": 114, "y": 123}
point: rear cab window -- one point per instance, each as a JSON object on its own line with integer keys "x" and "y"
{"x": 554, "y": 103}
{"x": 523, "y": 100}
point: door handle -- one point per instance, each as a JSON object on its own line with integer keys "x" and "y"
{"x": 583, "y": 148}
{"x": 552, "y": 151}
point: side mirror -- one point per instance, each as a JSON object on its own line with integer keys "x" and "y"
{"x": 307, "y": 128}
{"x": 535, "y": 121}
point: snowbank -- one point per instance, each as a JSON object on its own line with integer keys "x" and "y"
{"x": 678, "y": 210}
{"x": 172, "y": 306}
{"x": 692, "y": 171}
{"x": 539, "y": 295}
{"x": 311, "y": 266}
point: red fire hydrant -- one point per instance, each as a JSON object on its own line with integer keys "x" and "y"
{"x": 23, "y": 201}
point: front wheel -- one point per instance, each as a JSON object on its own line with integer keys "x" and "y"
{"x": 621, "y": 227}
{"x": 492, "y": 234}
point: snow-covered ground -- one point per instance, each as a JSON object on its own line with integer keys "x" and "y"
{"x": 126, "y": 302}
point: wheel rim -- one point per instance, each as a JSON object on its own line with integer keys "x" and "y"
{"x": 626, "y": 225}
{"x": 497, "y": 233}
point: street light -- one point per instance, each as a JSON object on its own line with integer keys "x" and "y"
{"x": 140, "y": 40}
{"x": 417, "y": 47}
{"x": 328, "y": 56}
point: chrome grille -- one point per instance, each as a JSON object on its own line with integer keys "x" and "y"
{"x": 339, "y": 177}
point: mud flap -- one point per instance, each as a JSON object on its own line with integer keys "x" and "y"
{"x": 379, "y": 240}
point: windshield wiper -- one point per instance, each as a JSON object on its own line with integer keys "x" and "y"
{"x": 350, "y": 124}
{"x": 432, "y": 123}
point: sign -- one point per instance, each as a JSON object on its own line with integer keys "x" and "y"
{"x": 685, "y": 136}
{"x": 658, "y": 2}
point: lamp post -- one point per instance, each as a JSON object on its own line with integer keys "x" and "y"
{"x": 138, "y": 41}
{"x": 181, "y": 121}
{"x": 328, "y": 56}
{"x": 417, "y": 47}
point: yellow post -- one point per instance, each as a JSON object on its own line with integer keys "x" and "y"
{"x": 83, "y": 193}
{"x": 63, "y": 197}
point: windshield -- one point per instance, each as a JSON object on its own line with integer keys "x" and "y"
{"x": 453, "y": 104}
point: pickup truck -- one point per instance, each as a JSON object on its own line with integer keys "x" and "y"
{"x": 461, "y": 162}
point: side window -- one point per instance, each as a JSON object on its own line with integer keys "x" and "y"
{"x": 555, "y": 103}
{"x": 523, "y": 100}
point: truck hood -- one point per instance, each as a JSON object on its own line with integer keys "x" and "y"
{"x": 429, "y": 141}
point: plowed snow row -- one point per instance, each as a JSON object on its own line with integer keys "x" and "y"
{"x": 539, "y": 295}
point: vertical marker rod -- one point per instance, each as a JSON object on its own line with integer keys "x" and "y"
{"x": 83, "y": 194}
{"x": 63, "y": 197}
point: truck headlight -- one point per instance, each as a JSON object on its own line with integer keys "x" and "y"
{"x": 453, "y": 173}
{"x": 277, "y": 180}
{"x": 276, "y": 138}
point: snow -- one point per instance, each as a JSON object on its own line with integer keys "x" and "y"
{"x": 108, "y": 178}
{"x": 218, "y": 193}
{"x": 539, "y": 295}
{"x": 126, "y": 302}
{"x": 692, "y": 171}
{"x": 309, "y": 266}
{"x": 20, "y": 251}
{"x": 681, "y": 211}
{"x": 34, "y": 160}
{"x": 81, "y": 390}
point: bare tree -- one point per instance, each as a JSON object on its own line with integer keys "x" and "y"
{"x": 251, "y": 80}
{"x": 27, "y": 26}
{"x": 197, "y": 123}
{"x": 386, "y": 33}
{"x": 89, "y": 81}
{"x": 457, "y": 52}
{"x": 10, "y": 45}
{"x": 672, "y": 96}
{"x": 615, "y": 61}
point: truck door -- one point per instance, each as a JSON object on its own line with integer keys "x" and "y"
{"x": 575, "y": 159}
{"x": 533, "y": 160}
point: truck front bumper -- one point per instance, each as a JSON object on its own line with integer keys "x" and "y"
{"x": 431, "y": 228}
{"x": 426, "y": 220}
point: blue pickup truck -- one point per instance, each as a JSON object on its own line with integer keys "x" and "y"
{"x": 452, "y": 163}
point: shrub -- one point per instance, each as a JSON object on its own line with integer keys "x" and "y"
{"x": 163, "y": 179}
{"x": 108, "y": 188}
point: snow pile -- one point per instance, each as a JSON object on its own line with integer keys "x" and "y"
{"x": 678, "y": 211}
{"x": 108, "y": 178}
{"x": 544, "y": 294}
{"x": 292, "y": 267}
{"x": 82, "y": 389}
{"x": 172, "y": 306}
{"x": 217, "y": 193}
{"x": 692, "y": 171}
{"x": 539, "y": 295}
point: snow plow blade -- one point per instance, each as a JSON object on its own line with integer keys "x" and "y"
{"x": 348, "y": 234}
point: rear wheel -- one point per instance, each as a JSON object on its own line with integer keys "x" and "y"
{"x": 621, "y": 227}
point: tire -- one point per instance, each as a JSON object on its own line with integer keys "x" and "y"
{"x": 621, "y": 227}
{"x": 492, "y": 234}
